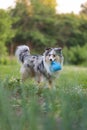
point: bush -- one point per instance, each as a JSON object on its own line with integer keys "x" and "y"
{"x": 76, "y": 55}
{"x": 6, "y": 60}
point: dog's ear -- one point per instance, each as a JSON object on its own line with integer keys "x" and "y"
{"x": 58, "y": 50}
{"x": 47, "y": 49}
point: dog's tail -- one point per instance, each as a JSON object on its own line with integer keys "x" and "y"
{"x": 22, "y": 52}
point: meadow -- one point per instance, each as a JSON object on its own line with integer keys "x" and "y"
{"x": 25, "y": 106}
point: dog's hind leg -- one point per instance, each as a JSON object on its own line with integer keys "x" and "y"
{"x": 24, "y": 74}
{"x": 49, "y": 84}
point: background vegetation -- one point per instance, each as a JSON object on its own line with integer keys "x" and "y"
{"x": 25, "y": 106}
{"x": 37, "y": 24}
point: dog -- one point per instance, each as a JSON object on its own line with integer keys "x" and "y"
{"x": 38, "y": 66}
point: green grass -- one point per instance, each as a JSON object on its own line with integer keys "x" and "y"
{"x": 9, "y": 70}
{"x": 27, "y": 107}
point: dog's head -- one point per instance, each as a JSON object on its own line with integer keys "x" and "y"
{"x": 53, "y": 54}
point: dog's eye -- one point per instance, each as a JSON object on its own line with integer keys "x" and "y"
{"x": 49, "y": 54}
{"x": 53, "y": 55}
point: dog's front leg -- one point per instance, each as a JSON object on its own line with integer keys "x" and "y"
{"x": 40, "y": 80}
{"x": 49, "y": 84}
{"x": 37, "y": 78}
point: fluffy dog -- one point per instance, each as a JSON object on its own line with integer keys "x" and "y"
{"x": 38, "y": 66}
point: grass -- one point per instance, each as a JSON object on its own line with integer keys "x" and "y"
{"x": 27, "y": 107}
{"x": 9, "y": 70}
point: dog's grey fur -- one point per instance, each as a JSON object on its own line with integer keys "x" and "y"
{"x": 38, "y": 66}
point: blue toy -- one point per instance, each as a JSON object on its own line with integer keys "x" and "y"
{"x": 55, "y": 66}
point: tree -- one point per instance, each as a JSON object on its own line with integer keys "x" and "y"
{"x": 6, "y": 32}
{"x": 67, "y": 30}
{"x": 40, "y": 26}
{"x": 84, "y": 8}
{"x": 33, "y": 23}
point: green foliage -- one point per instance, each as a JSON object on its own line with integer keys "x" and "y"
{"x": 76, "y": 55}
{"x": 70, "y": 30}
{"x": 3, "y": 51}
{"x": 24, "y": 106}
{"x": 33, "y": 26}
{"x": 6, "y": 60}
{"x": 37, "y": 24}
{"x": 40, "y": 27}
{"x": 5, "y": 31}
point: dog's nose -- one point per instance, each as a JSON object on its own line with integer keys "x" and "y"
{"x": 50, "y": 59}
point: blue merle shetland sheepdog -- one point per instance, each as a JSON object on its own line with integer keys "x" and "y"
{"x": 38, "y": 66}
